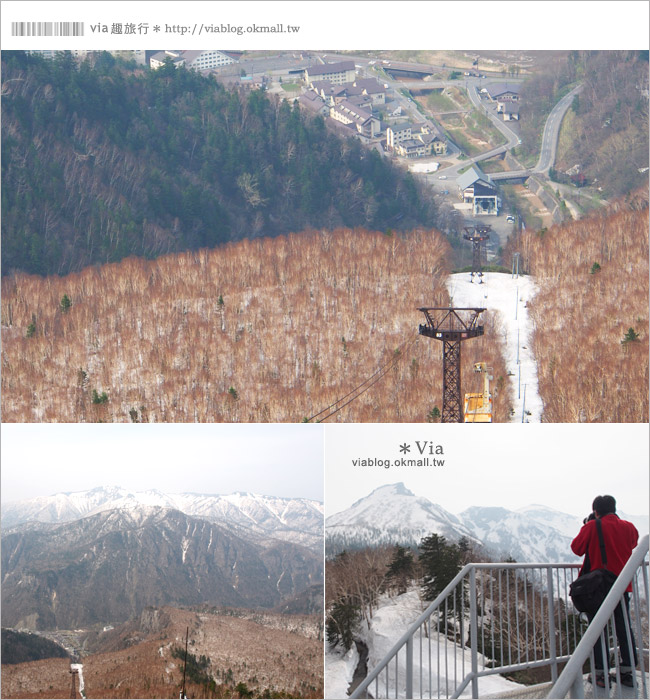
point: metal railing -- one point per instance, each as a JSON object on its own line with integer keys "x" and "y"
{"x": 490, "y": 619}
{"x": 627, "y": 638}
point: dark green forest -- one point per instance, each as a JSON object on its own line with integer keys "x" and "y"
{"x": 19, "y": 647}
{"x": 102, "y": 160}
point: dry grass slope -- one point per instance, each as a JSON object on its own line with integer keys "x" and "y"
{"x": 255, "y": 331}
{"x": 583, "y": 312}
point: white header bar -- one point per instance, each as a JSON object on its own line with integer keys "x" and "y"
{"x": 329, "y": 25}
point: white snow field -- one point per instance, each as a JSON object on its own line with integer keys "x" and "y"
{"x": 388, "y": 624}
{"x": 339, "y": 669}
{"x": 509, "y": 297}
{"x": 424, "y": 167}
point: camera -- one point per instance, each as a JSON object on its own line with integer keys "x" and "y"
{"x": 591, "y": 516}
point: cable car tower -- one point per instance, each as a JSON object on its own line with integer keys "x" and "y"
{"x": 73, "y": 689}
{"x": 477, "y": 235}
{"x": 451, "y": 326}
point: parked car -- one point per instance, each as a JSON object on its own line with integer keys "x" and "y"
{"x": 510, "y": 219}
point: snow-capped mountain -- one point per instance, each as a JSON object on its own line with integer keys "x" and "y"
{"x": 297, "y": 520}
{"x": 530, "y": 534}
{"x": 106, "y": 567}
{"x": 391, "y": 514}
{"x": 394, "y": 515}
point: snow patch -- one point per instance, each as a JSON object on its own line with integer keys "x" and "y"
{"x": 391, "y": 619}
{"x": 339, "y": 669}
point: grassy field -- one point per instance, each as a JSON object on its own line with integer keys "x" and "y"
{"x": 449, "y": 100}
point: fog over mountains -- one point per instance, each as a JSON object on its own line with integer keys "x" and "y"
{"x": 392, "y": 514}
{"x": 101, "y": 556}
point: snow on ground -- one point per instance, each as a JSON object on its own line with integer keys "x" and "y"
{"x": 424, "y": 167}
{"x": 80, "y": 670}
{"x": 339, "y": 669}
{"x": 391, "y": 619}
{"x": 509, "y": 296}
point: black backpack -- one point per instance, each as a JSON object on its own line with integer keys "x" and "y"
{"x": 589, "y": 590}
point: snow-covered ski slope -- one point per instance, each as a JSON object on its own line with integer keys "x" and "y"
{"x": 507, "y": 295}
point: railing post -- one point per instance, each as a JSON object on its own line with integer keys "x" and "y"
{"x": 551, "y": 623}
{"x": 409, "y": 667}
{"x": 473, "y": 629}
{"x": 577, "y": 689}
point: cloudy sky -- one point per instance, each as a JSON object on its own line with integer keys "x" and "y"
{"x": 560, "y": 466}
{"x": 282, "y": 460}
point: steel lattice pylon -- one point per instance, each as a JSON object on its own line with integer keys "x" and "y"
{"x": 73, "y": 688}
{"x": 477, "y": 235}
{"x": 451, "y": 326}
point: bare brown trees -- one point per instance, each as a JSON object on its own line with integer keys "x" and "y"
{"x": 593, "y": 277}
{"x": 290, "y": 324}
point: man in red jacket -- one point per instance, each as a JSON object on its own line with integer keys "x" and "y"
{"x": 620, "y": 538}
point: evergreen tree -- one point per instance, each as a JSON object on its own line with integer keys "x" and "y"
{"x": 401, "y": 568}
{"x": 440, "y": 562}
{"x": 341, "y": 621}
{"x": 434, "y": 415}
{"x": 99, "y": 398}
{"x": 630, "y": 337}
{"x": 65, "y": 303}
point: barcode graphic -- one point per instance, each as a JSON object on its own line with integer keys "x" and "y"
{"x": 47, "y": 29}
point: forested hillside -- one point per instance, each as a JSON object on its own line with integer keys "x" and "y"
{"x": 19, "y": 647}
{"x": 101, "y": 161}
{"x": 272, "y": 329}
{"x": 607, "y": 130}
{"x": 605, "y": 133}
{"x": 591, "y": 315}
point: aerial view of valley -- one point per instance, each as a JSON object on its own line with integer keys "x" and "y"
{"x": 185, "y": 563}
{"x": 303, "y": 236}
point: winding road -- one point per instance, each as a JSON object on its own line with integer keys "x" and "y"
{"x": 549, "y": 138}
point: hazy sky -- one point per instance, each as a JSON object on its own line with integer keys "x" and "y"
{"x": 282, "y": 460}
{"x": 561, "y": 466}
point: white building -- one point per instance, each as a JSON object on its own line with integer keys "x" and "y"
{"x": 195, "y": 60}
{"x": 350, "y": 114}
{"x": 335, "y": 73}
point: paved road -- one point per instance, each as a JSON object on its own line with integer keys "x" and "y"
{"x": 549, "y": 138}
{"x": 552, "y": 131}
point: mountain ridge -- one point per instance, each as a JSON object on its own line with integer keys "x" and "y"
{"x": 533, "y": 533}
{"x": 297, "y": 520}
{"x": 107, "y": 567}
